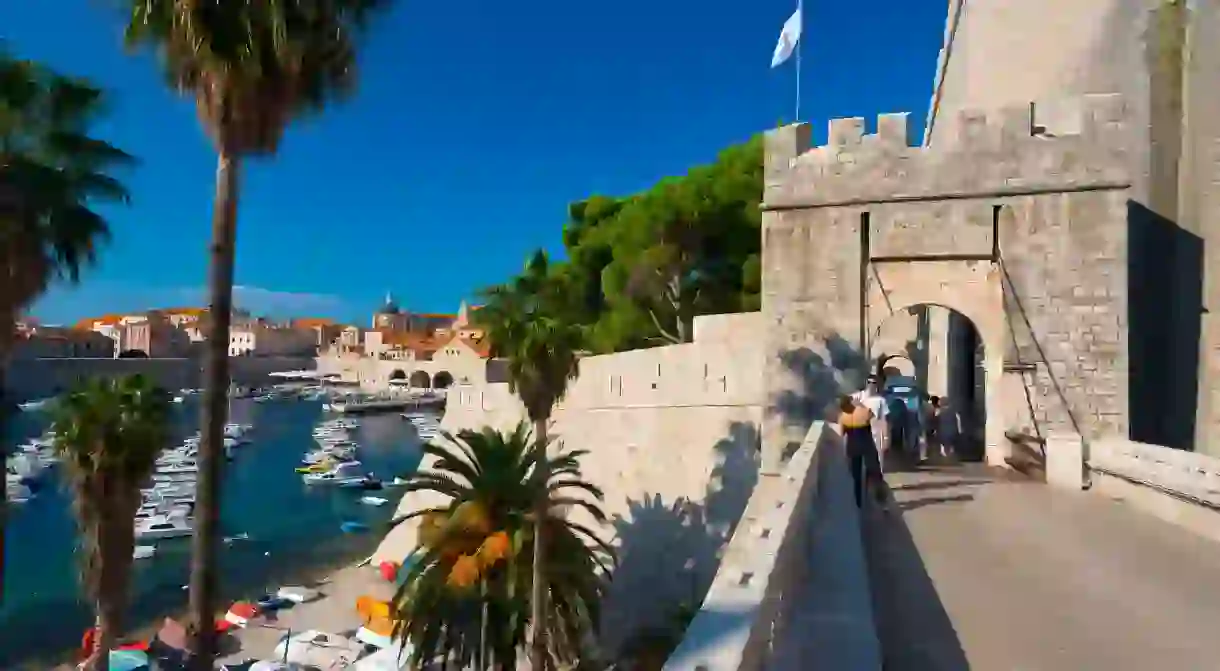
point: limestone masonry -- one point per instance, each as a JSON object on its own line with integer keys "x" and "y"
{"x": 995, "y": 224}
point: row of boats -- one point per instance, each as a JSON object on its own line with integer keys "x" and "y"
{"x": 334, "y": 461}
{"x": 168, "y": 506}
{"x": 427, "y": 426}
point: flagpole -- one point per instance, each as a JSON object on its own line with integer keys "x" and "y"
{"x": 800, "y": 11}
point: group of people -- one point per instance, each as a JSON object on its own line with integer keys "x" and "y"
{"x": 914, "y": 427}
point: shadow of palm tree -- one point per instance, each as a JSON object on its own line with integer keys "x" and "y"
{"x": 669, "y": 552}
{"x": 822, "y": 376}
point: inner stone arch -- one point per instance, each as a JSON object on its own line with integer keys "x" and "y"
{"x": 941, "y": 352}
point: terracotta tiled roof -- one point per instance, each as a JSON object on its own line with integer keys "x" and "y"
{"x": 90, "y": 322}
{"x": 481, "y": 346}
{"x": 416, "y": 342}
{"x": 433, "y": 315}
{"x": 312, "y": 322}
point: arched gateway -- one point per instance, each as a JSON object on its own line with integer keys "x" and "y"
{"x": 1022, "y": 233}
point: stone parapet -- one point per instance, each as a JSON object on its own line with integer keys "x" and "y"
{"x": 793, "y": 585}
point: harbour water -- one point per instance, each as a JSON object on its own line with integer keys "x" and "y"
{"x": 290, "y": 526}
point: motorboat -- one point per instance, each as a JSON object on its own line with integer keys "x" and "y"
{"x": 234, "y": 430}
{"x": 318, "y": 467}
{"x": 143, "y": 551}
{"x": 18, "y": 491}
{"x": 36, "y": 405}
{"x": 164, "y": 509}
{"x": 367, "y": 483}
{"x": 345, "y": 472}
{"x": 159, "y": 527}
{"x": 373, "y": 501}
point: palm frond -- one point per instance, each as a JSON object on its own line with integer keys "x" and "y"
{"x": 492, "y": 474}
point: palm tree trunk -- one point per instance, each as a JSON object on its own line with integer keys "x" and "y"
{"x": 5, "y": 411}
{"x": 538, "y": 645}
{"x": 215, "y": 410}
{"x": 103, "y": 642}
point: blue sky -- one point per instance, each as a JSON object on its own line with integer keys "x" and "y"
{"x": 475, "y": 125}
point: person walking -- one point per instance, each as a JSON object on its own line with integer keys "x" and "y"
{"x": 948, "y": 428}
{"x": 856, "y": 421}
{"x": 931, "y": 433}
{"x": 871, "y": 398}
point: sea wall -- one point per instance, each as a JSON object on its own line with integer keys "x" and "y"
{"x": 39, "y": 378}
{"x": 673, "y": 436}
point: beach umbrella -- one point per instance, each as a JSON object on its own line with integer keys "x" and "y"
{"x": 128, "y": 660}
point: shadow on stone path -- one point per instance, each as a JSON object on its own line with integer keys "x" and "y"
{"x": 976, "y": 569}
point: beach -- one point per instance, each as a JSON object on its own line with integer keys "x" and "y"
{"x": 334, "y": 613}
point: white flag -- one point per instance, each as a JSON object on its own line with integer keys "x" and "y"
{"x": 788, "y": 37}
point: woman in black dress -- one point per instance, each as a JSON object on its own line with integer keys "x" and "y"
{"x": 862, "y": 456}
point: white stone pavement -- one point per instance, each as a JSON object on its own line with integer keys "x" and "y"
{"x": 978, "y": 570}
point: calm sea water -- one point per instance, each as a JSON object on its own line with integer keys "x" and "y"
{"x": 290, "y": 526}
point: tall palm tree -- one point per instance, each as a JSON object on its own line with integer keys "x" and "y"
{"x": 52, "y": 174}
{"x": 108, "y": 434}
{"x": 466, "y": 594}
{"x": 252, "y": 67}
{"x": 527, "y": 326}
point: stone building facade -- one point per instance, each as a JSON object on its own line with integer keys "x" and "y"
{"x": 1027, "y": 235}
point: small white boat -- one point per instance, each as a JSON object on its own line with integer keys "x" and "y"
{"x": 144, "y": 551}
{"x": 348, "y": 472}
{"x": 373, "y": 501}
{"x": 297, "y": 594}
{"x": 164, "y": 526}
{"x": 33, "y": 406}
{"x": 179, "y": 399}
{"x": 17, "y": 491}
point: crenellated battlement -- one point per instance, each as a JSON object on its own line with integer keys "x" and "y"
{"x": 1077, "y": 143}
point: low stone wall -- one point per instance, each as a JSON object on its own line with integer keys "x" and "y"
{"x": 1180, "y": 487}
{"x": 39, "y": 378}
{"x": 673, "y": 436}
{"x": 793, "y": 585}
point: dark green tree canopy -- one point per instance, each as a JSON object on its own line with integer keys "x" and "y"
{"x": 640, "y": 268}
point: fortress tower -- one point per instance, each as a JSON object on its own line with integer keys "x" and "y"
{"x": 1164, "y": 57}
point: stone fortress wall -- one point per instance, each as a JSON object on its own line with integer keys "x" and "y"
{"x": 1164, "y": 58}
{"x": 992, "y": 225}
{"x": 672, "y": 434}
{"x": 40, "y": 378}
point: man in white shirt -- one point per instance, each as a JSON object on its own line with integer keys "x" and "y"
{"x": 871, "y": 398}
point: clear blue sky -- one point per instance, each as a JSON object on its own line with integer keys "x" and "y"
{"x": 475, "y": 125}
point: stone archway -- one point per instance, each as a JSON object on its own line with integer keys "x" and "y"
{"x": 970, "y": 296}
{"x": 442, "y": 380}
{"x": 891, "y": 365}
{"x": 420, "y": 379}
{"x": 964, "y": 359}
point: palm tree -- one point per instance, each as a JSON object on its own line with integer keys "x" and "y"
{"x": 466, "y": 594}
{"x": 528, "y": 328}
{"x": 252, "y": 67}
{"x": 108, "y": 434}
{"x": 52, "y": 175}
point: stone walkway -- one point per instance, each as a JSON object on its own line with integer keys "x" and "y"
{"x": 974, "y": 569}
